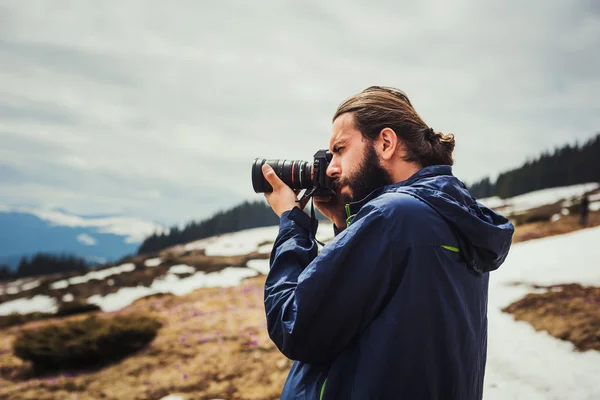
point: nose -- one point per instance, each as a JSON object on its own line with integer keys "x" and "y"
{"x": 334, "y": 170}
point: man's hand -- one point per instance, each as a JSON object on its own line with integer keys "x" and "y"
{"x": 333, "y": 208}
{"x": 282, "y": 198}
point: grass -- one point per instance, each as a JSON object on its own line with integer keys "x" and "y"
{"x": 568, "y": 312}
{"x": 213, "y": 344}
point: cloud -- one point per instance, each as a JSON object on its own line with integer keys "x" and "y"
{"x": 158, "y": 110}
{"x": 86, "y": 240}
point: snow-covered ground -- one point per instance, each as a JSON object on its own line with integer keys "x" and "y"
{"x": 538, "y": 198}
{"x": 153, "y": 262}
{"x": 247, "y": 241}
{"x": 38, "y": 303}
{"x": 20, "y": 285}
{"x": 261, "y": 266}
{"x": 526, "y": 364}
{"x": 99, "y": 275}
{"x": 171, "y": 283}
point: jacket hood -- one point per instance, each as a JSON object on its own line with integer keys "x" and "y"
{"x": 484, "y": 235}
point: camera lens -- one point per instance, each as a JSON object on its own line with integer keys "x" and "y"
{"x": 295, "y": 173}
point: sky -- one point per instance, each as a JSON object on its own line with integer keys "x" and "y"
{"x": 157, "y": 109}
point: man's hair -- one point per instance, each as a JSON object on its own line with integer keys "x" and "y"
{"x": 379, "y": 107}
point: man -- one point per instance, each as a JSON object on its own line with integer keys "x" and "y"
{"x": 584, "y": 210}
{"x": 395, "y": 306}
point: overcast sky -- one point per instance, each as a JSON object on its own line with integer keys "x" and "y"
{"x": 157, "y": 109}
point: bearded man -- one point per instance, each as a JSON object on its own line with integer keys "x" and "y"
{"x": 395, "y": 305}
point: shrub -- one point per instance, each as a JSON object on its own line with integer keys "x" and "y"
{"x": 76, "y": 307}
{"x": 84, "y": 343}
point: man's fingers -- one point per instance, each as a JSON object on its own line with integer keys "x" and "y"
{"x": 271, "y": 176}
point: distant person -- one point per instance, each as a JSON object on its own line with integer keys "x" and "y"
{"x": 584, "y": 211}
{"x": 395, "y": 306}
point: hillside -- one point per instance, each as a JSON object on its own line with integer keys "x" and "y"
{"x": 214, "y": 343}
{"x": 227, "y": 259}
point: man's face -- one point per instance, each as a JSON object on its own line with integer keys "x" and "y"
{"x": 355, "y": 165}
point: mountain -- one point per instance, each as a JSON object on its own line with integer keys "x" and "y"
{"x": 26, "y": 231}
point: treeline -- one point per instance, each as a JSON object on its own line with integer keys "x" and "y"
{"x": 244, "y": 216}
{"x": 44, "y": 264}
{"x": 568, "y": 165}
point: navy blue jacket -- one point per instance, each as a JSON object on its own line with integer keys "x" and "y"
{"x": 394, "y": 306}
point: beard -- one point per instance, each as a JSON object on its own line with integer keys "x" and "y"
{"x": 370, "y": 176}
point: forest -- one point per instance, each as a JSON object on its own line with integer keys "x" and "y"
{"x": 43, "y": 264}
{"x": 567, "y": 165}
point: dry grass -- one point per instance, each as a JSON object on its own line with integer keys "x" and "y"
{"x": 566, "y": 224}
{"x": 213, "y": 344}
{"x": 568, "y": 312}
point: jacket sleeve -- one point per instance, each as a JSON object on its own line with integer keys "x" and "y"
{"x": 317, "y": 303}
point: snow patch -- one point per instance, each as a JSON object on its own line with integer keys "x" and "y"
{"x": 102, "y": 274}
{"x": 38, "y": 303}
{"x": 171, "y": 283}
{"x": 595, "y": 206}
{"x": 594, "y": 197}
{"x": 173, "y": 397}
{"x": 265, "y": 248}
{"x": 153, "y": 262}
{"x": 63, "y": 284}
{"x": 121, "y": 299}
{"x": 30, "y": 285}
{"x": 247, "y": 241}
{"x": 492, "y": 202}
{"x": 261, "y": 266}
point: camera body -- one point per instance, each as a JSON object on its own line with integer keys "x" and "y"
{"x": 297, "y": 174}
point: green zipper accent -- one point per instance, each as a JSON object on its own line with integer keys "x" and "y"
{"x": 454, "y": 249}
{"x": 348, "y": 215}
{"x": 323, "y": 389}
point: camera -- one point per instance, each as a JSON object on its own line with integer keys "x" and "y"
{"x": 297, "y": 174}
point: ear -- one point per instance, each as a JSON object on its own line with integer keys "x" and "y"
{"x": 387, "y": 143}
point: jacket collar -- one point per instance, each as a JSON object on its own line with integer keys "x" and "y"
{"x": 426, "y": 172}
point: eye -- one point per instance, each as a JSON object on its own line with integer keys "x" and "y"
{"x": 338, "y": 149}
